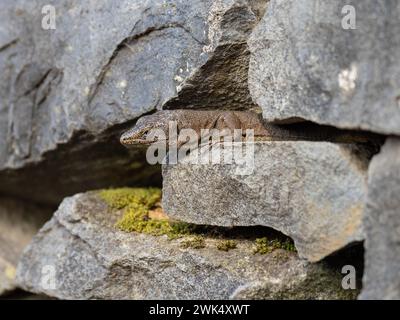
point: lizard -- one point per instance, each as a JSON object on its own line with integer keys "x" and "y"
{"x": 230, "y": 120}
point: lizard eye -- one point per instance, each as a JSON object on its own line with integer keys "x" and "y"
{"x": 144, "y": 135}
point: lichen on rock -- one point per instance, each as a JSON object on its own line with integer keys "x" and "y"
{"x": 99, "y": 261}
{"x": 136, "y": 204}
{"x": 265, "y": 245}
{"x": 226, "y": 245}
{"x": 196, "y": 242}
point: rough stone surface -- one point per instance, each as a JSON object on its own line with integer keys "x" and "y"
{"x": 382, "y": 225}
{"x": 67, "y": 94}
{"x": 222, "y": 82}
{"x": 93, "y": 260}
{"x": 106, "y": 63}
{"x": 311, "y": 191}
{"x": 19, "y": 222}
{"x": 305, "y": 65}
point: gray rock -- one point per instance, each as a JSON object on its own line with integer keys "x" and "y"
{"x": 222, "y": 82}
{"x": 382, "y": 225}
{"x": 311, "y": 191}
{"x": 19, "y": 222}
{"x": 80, "y": 254}
{"x": 64, "y": 92}
{"x": 305, "y": 65}
{"x": 106, "y": 63}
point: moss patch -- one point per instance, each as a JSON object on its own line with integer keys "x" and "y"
{"x": 226, "y": 245}
{"x": 124, "y": 197}
{"x": 196, "y": 242}
{"x": 136, "y": 203}
{"x": 264, "y": 245}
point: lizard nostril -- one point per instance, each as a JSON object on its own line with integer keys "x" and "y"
{"x": 123, "y": 139}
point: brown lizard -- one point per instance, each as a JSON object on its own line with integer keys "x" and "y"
{"x": 203, "y": 119}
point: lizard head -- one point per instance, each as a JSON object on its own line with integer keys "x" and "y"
{"x": 143, "y": 133}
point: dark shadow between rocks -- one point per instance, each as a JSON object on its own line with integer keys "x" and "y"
{"x": 24, "y": 295}
{"x": 87, "y": 162}
{"x": 352, "y": 255}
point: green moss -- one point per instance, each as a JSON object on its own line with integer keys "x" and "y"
{"x": 136, "y": 218}
{"x": 226, "y": 245}
{"x": 196, "y": 242}
{"x": 136, "y": 203}
{"x": 179, "y": 229}
{"x": 264, "y": 245}
{"x": 125, "y": 197}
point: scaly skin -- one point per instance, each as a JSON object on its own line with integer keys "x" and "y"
{"x": 196, "y": 120}
{"x": 230, "y": 120}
